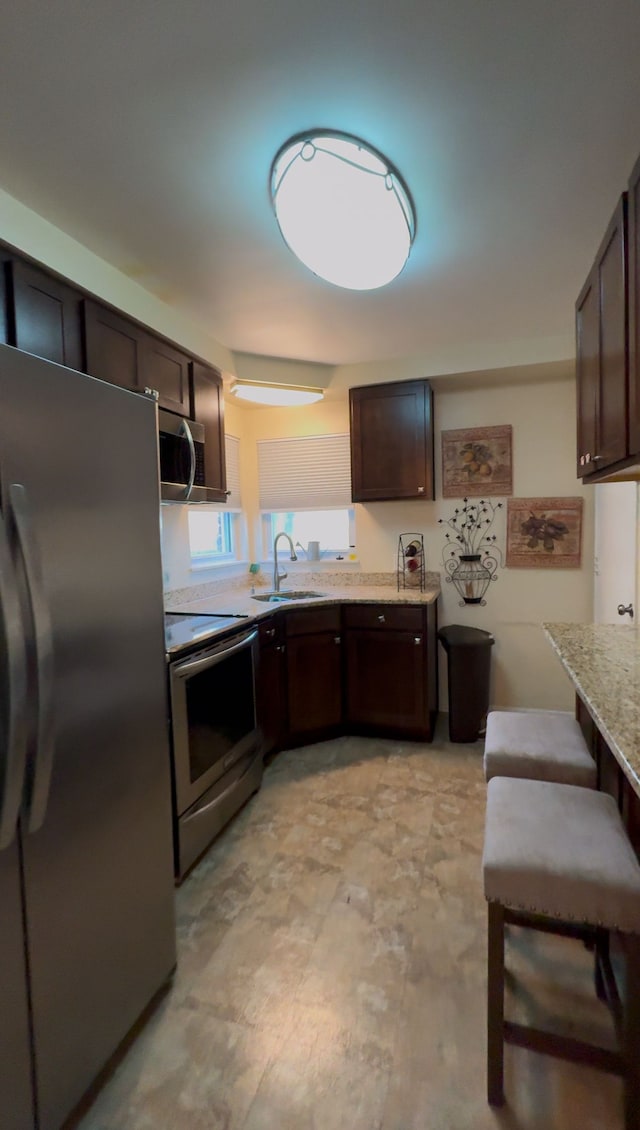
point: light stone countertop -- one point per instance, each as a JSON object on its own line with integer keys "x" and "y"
{"x": 334, "y": 588}
{"x": 603, "y": 662}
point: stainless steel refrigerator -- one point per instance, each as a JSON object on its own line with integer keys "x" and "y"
{"x": 86, "y": 866}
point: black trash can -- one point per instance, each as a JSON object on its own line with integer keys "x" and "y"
{"x": 469, "y": 666}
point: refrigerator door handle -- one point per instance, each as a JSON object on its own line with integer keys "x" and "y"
{"x": 43, "y": 639}
{"x": 13, "y": 764}
{"x": 192, "y": 453}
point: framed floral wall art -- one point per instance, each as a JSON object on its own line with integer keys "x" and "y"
{"x": 477, "y": 462}
{"x": 544, "y": 533}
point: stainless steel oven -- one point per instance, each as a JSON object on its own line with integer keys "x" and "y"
{"x": 217, "y": 754}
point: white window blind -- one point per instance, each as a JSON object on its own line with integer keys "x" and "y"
{"x": 312, "y": 472}
{"x": 232, "y": 456}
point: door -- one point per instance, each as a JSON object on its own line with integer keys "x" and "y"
{"x": 46, "y": 316}
{"x": 314, "y": 683}
{"x": 391, "y": 441}
{"x": 208, "y": 409}
{"x": 97, "y": 843}
{"x": 587, "y": 372}
{"x": 113, "y": 346}
{"x": 16, "y": 1103}
{"x": 165, "y": 369}
{"x": 615, "y": 551}
{"x": 612, "y": 406}
{"x": 387, "y": 681}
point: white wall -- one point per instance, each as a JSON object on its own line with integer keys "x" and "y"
{"x": 542, "y": 414}
{"x": 32, "y": 234}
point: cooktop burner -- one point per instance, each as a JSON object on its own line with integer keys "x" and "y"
{"x": 182, "y": 629}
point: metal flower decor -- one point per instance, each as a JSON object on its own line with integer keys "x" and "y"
{"x": 470, "y": 555}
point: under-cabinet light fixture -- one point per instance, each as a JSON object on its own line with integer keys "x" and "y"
{"x": 342, "y": 208}
{"x": 280, "y": 395}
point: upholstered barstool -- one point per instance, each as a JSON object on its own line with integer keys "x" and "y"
{"x": 557, "y": 858}
{"x": 539, "y": 746}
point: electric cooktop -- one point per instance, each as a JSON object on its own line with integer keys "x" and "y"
{"x": 182, "y": 629}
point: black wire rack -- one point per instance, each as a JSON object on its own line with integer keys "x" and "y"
{"x": 411, "y": 569}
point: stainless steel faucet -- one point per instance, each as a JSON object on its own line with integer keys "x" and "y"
{"x": 277, "y": 575}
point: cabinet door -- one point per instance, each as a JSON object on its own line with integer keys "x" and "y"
{"x": 46, "y": 315}
{"x": 587, "y": 370}
{"x": 113, "y": 346}
{"x": 314, "y": 684}
{"x": 165, "y": 369}
{"x": 387, "y": 682}
{"x": 392, "y": 441}
{"x": 612, "y": 403}
{"x": 207, "y": 407}
{"x": 272, "y": 696}
{"x": 634, "y": 310}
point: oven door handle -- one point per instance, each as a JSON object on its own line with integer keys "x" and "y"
{"x": 192, "y": 666}
{"x": 192, "y": 455}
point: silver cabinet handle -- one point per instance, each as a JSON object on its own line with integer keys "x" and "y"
{"x": 192, "y": 453}
{"x": 582, "y": 460}
{"x": 13, "y": 747}
{"x": 420, "y": 490}
{"x": 417, "y": 640}
{"x": 381, "y": 619}
{"x": 280, "y": 647}
{"x": 270, "y": 632}
{"x": 43, "y": 640}
{"x": 595, "y": 458}
{"x": 337, "y": 639}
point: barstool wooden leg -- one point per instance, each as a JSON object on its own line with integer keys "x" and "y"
{"x": 631, "y": 1050}
{"x": 495, "y": 1006}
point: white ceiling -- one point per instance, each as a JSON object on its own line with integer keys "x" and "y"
{"x": 146, "y": 129}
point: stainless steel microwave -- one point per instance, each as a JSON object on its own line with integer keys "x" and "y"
{"x": 182, "y": 468}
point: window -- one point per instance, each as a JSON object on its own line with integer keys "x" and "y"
{"x": 305, "y": 491}
{"x": 210, "y": 536}
{"x": 331, "y": 528}
{"x": 216, "y": 536}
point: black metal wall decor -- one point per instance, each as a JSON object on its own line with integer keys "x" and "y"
{"x": 470, "y": 555}
{"x": 410, "y": 571}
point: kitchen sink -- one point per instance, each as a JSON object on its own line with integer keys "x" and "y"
{"x": 287, "y": 594}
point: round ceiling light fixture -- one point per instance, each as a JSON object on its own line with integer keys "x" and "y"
{"x": 343, "y": 209}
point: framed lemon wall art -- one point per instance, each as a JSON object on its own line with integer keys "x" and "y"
{"x": 477, "y": 462}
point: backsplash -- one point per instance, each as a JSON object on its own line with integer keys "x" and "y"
{"x": 342, "y": 578}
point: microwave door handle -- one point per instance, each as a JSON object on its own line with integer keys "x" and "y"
{"x": 14, "y": 741}
{"x": 185, "y": 670}
{"x": 43, "y": 638}
{"x": 192, "y": 453}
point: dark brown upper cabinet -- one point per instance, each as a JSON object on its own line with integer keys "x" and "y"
{"x": 113, "y": 346}
{"x": 124, "y": 353}
{"x": 602, "y": 354}
{"x": 634, "y": 308}
{"x": 207, "y": 407}
{"x": 165, "y": 369}
{"x": 44, "y": 315}
{"x": 391, "y": 441}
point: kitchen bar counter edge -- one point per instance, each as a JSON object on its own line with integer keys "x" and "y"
{"x": 603, "y": 662}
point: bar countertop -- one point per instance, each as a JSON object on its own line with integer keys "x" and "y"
{"x": 603, "y": 662}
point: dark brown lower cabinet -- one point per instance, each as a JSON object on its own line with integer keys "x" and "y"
{"x": 314, "y": 685}
{"x": 387, "y": 683}
{"x": 360, "y": 668}
{"x": 272, "y": 695}
{"x": 611, "y": 777}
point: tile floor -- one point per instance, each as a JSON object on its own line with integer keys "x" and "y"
{"x": 332, "y": 966}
